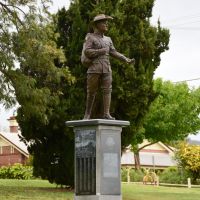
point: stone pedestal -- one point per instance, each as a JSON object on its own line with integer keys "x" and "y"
{"x": 97, "y": 159}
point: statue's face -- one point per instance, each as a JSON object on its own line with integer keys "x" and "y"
{"x": 102, "y": 26}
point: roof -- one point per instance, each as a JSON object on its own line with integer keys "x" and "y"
{"x": 158, "y": 145}
{"x": 148, "y": 159}
{"x": 14, "y": 139}
{"x": 194, "y": 139}
{"x": 193, "y": 142}
{"x": 170, "y": 149}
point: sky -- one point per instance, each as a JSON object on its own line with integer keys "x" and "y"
{"x": 182, "y": 60}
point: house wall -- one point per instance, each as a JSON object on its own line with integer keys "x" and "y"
{"x": 148, "y": 159}
{"x": 7, "y": 160}
{"x": 155, "y": 155}
{"x": 9, "y": 155}
{"x": 3, "y": 143}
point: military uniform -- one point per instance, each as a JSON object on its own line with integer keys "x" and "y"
{"x": 95, "y": 47}
{"x": 98, "y": 48}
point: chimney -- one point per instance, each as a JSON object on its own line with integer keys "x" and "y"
{"x": 13, "y": 125}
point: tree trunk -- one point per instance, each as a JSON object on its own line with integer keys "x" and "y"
{"x": 136, "y": 151}
{"x": 137, "y": 160}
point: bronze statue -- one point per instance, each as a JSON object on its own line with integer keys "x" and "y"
{"x": 95, "y": 55}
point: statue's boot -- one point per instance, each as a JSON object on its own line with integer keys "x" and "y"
{"x": 89, "y": 105}
{"x": 106, "y": 105}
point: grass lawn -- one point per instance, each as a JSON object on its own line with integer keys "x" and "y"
{"x": 32, "y": 190}
{"x": 42, "y": 190}
{"x": 148, "y": 192}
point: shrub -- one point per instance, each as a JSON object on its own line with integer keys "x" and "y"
{"x": 174, "y": 175}
{"x": 124, "y": 174}
{"x": 136, "y": 175}
{"x": 17, "y": 171}
{"x": 4, "y": 172}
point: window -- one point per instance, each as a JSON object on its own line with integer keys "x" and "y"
{"x": 12, "y": 150}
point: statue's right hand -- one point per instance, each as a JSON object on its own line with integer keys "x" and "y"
{"x": 130, "y": 61}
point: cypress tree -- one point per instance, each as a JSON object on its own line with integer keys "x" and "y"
{"x": 134, "y": 36}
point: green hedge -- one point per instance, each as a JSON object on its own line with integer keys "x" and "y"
{"x": 169, "y": 175}
{"x": 17, "y": 171}
{"x": 173, "y": 175}
{"x": 124, "y": 175}
{"x": 135, "y": 175}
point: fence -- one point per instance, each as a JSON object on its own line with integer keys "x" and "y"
{"x": 189, "y": 185}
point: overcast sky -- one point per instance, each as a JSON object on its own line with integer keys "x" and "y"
{"x": 182, "y": 60}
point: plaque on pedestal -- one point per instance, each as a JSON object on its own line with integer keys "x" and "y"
{"x": 85, "y": 162}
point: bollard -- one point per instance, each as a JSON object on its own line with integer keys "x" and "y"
{"x": 157, "y": 177}
{"x": 128, "y": 175}
{"x": 189, "y": 183}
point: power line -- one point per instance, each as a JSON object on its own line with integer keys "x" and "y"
{"x": 185, "y": 28}
{"x": 183, "y": 20}
{"x": 192, "y": 22}
{"x": 197, "y": 15}
{"x": 194, "y": 79}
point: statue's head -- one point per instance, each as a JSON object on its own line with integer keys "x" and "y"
{"x": 100, "y": 22}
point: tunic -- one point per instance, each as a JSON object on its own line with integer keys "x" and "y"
{"x": 98, "y": 48}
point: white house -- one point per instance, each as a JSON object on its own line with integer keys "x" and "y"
{"x": 157, "y": 155}
{"x": 12, "y": 149}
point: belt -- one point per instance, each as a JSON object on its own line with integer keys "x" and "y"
{"x": 105, "y": 57}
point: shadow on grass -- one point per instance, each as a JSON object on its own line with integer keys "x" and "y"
{"x": 46, "y": 189}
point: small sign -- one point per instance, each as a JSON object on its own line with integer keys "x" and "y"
{"x": 110, "y": 165}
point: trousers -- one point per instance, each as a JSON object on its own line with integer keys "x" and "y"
{"x": 94, "y": 81}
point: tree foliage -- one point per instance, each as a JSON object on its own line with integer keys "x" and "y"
{"x": 174, "y": 114}
{"x": 188, "y": 157}
{"x": 15, "y": 16}
{"x": 34, "y": 74}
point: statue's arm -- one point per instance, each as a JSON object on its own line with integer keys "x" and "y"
{"x": 90, "y": 51}
{"x": 119, "y": 56}
{"x": 114, "y": 53}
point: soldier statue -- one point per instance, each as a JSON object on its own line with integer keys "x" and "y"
{"x": 95, "y": 54}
